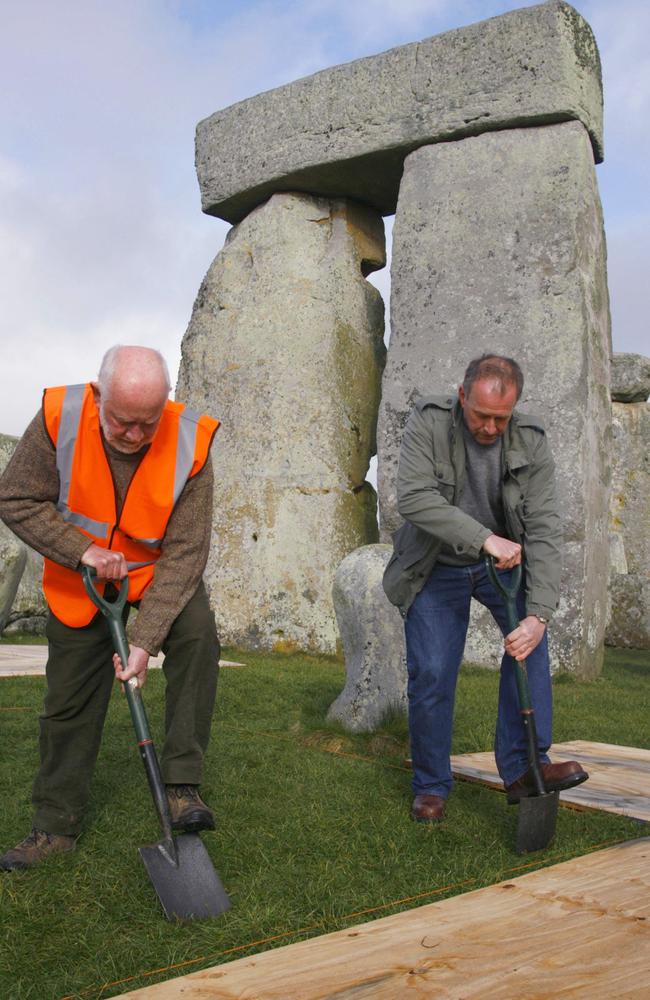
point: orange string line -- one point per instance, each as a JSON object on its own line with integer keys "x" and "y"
{"x": 274, "y": 937}
{"x": 311, "y": 746}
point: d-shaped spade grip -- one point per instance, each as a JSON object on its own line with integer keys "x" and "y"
{"x": 112, "y": 610}
{"x": 509, "y": 593}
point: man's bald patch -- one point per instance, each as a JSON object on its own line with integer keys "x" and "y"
{"x": 126, "y": 370}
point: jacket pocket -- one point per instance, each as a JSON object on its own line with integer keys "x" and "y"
{"x": 411, "y": 545}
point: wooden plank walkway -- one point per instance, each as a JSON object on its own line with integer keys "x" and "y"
{"x": 580, "y": 929}
{"x": 619, "y": 777}
{"x": 23, "y": 660}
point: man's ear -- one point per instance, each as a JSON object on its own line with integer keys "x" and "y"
{"x": 96, "y": 393}
{"x": 461, "y": 394}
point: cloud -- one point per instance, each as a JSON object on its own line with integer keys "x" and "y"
{"x": 101, "y": 234}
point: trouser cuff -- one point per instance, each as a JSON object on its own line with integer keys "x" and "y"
{"x": 56, "y": 821}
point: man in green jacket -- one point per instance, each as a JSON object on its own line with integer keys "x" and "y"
{"x": 475, "y": 477}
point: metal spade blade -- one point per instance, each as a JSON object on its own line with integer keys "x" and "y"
{"x": 189, "y": 889}
{"x": 536, "y": 822}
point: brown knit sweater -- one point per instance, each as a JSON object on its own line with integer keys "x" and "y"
{"x": 29, "y": 490}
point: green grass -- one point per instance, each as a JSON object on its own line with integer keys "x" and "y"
{"x": 309, "y": 835}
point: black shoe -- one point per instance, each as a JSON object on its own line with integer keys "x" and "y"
{"x": 36, "y": 846}
{"x": 188, "y": 810}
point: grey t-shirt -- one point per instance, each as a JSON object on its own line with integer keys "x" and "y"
{"x": 481, "y": 497}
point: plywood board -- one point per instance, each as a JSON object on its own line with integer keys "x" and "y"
{"x": 578, "y": 929}
{"x": 619, "y": 777}
{"x": 23, "y": 660}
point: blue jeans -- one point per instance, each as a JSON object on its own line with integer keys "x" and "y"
{"x": 436, "y": 628}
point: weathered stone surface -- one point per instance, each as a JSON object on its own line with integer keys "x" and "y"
{"x": 630, "y": 506}
{"x": 7, "y": 446}
{"x": 372, "y": 633}
{"x": 285, "y": 346}
{"x": 26, "y": 626}
{"x": 629, "y": 621}
{"x": 29, "y": 604}
{"x": 21, "y": 569}
{"x": 498, "y": 245}
{"x": 13, "y": 556}
{"x": 344, "y": 132}
{"x": 630, "y": 378}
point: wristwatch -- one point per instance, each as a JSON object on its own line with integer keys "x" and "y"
{"x": 540, "y": 618}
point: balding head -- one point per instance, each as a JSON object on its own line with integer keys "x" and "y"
{"x": 130, "y": 393}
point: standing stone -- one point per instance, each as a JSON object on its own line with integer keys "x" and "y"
{"x": 13, "y": 556}
{"x": 29, "y": 611}
{"x": 285, "y": 347}
{"x": 630, "y": 378}
{"x": 372, "y": 633}
{"x": 22, "y": 604}
{"x": 629, "y": 622}
{"x": 498, "y": 245}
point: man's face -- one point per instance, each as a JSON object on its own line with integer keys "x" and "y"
{"x": 129, "y": 423}
{"x": 486, "y": 410}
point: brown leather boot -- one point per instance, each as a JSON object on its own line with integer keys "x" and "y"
{"x": 36, "y": 846}
{"x": 188, "y": 810}
{"x": 556, "y": 778}
{"x": 428, "y": 808}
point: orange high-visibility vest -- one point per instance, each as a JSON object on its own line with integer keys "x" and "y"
{"x": 178, "y": 451}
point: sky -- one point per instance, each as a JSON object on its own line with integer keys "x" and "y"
{"x": 102, "y": 239}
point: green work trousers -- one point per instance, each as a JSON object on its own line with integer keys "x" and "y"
{"x": 80, "y": 679}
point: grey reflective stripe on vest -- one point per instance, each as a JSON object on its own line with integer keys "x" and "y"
{"x": 187, "y": 431}
{"x": 65, "y": 445}
{"x": 97, "y": 528}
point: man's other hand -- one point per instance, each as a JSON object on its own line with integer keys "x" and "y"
{"x": 109, "y": 565}
{"x": 525, "y": 638}
{"x": 136, "y": 667}
{"x": 506, "y": 553}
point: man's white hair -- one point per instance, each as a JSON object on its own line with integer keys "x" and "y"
{"x": 110, "y": 361}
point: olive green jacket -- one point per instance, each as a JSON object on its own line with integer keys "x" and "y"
{"x": 430, "y": 481}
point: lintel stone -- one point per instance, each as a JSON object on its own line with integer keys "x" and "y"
{"x": 344, "y": 132}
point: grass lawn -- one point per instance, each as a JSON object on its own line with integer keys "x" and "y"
{"x": 313, "y": 829}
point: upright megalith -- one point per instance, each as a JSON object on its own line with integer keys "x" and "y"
{"x": 629, "y": 621}
{"x": 13, "y": 558}
{"x": 498, "y": 245}
{"x": 285, "y": 346}
{"x": 372, "y": 635}
{"x": 344, "y": 132}
{"x": 22, "y": 604}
